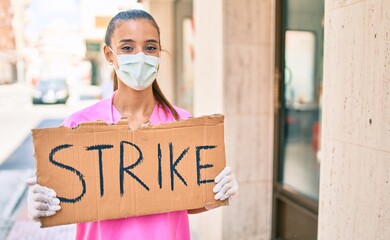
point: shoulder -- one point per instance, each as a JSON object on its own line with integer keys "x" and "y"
{"x": 183, "y": 114}
{"x": 162, "y": 114}
{"x": 97, "y": 111}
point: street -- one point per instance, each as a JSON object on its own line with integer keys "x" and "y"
{"x": 18, "y": 116}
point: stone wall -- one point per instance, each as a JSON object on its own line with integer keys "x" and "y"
{"x": 234, "y": 75}
{"x": 355, "y": 170}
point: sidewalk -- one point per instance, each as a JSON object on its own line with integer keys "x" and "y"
{"x": 24, "y": 228}
{"x": 14, "y": 221}
{"x": 12, "y": 190}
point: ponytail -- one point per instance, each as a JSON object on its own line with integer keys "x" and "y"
{"x": 157, "y": 93}
{"x": 114, "y": 80}
{"x": 163, "y": 101}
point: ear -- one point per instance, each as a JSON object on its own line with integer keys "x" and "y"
{"x": 108, "y": 54}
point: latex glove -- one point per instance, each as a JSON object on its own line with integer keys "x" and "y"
{"x": 41, "y": 201}
{"x": 226, "y": 185}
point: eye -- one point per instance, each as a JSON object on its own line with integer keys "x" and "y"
{"x": 127, "y": 49}
{"x": 151, "y": 49}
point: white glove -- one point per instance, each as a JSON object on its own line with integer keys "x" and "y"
{"x": 41, "y": 201}
{"x": 226, "y": 186}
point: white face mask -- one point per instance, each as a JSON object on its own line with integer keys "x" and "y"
{"x": 137, "y": 71}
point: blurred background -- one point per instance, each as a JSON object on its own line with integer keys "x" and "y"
{"x": 261, "y": 63}
{"x": 51, "y": 65}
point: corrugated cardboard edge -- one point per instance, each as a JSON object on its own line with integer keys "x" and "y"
{"x": 199, "y": 121}
{"x": 206, "y": 120}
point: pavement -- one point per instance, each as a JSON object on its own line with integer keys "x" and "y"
{"x": 14, "y": 221}
{"x": 10, "y": 199}
{"x": 24, "y": 228}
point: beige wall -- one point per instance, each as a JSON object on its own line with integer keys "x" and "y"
{"x": 163, "y": 13}
{"x": 355, "y": 170}
{"x": 234, "y": 74}
{"x": 208, "y": 69}
{"x": 208, "y": 89}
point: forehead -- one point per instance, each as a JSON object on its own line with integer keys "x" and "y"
{"x": 137, "y": 30}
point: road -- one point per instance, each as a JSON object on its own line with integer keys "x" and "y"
{"x": 17, "y": 117}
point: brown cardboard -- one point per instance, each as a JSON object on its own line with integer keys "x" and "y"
{"x": 67, "y": 160}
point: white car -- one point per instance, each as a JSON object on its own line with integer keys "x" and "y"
{"x": 51, "y": 91}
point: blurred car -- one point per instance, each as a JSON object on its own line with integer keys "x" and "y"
{"x": 51, "y": 91}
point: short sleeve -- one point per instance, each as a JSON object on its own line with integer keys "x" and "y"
{"x": 183, "y": 114}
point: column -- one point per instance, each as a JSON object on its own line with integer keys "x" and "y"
{"x": 355, "y": 170}
{"x": 235, "y": 76}
{"x": 163, "y": 13}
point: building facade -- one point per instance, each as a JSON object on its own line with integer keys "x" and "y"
{"x": 7, "y": 44}
{"x": 13, "y": 57}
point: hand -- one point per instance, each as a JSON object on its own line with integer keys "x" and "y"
{"x": 226, "y": 186}
{"x": 41, "y": 201}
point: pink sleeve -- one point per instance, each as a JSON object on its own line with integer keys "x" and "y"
{"x": 183, "y": 114}
{"x": 68, "y": 123}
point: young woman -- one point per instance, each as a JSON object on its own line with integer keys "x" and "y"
{"x": 133, "y": 49}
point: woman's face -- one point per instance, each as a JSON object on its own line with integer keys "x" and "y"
{"x": 132, "y": 37}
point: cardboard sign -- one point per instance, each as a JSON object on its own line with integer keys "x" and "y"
{"x": 102, "y": 171}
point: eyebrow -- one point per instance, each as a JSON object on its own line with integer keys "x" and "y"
{"x": 151, "y": 41}
{"x": 126, "y": 40}
{"x": 131, "y": 40}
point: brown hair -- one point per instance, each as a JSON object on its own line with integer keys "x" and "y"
{"x": 133, "y": 15}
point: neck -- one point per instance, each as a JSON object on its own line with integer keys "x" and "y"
{"x": 137, "y": 106}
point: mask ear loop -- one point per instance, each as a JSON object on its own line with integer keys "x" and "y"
{"x": 112, "y": 51}
{"x": 111, "y": 105}
{"x": 112, "y": 63}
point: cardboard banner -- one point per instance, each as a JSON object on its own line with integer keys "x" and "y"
{"x": 102, "y": 171}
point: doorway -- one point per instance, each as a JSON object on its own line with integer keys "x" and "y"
{"x": 299, "y": 58}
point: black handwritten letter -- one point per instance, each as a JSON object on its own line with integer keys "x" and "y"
{"x": 159, "y": 174}
{"x": 174, "y": 164}
{"x": 100, "y": 149}
{"x": 199, "y": 166}
{"x": 123, "y": 169}
{"x": 81, "y": 177}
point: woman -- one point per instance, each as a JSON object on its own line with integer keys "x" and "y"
{"x": 133, "y": 49}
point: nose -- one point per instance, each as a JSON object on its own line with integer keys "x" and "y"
{"x": 138, "y": 50}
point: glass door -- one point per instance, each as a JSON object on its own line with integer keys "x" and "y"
{"x": 298, "y": 154}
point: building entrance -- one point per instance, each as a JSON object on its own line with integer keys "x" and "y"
{"x": 298, "y": 154}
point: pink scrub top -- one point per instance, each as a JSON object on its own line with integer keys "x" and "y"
{"x": 171, "y": 225}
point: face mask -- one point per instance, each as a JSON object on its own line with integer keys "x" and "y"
{"x": 137, "y": 71}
